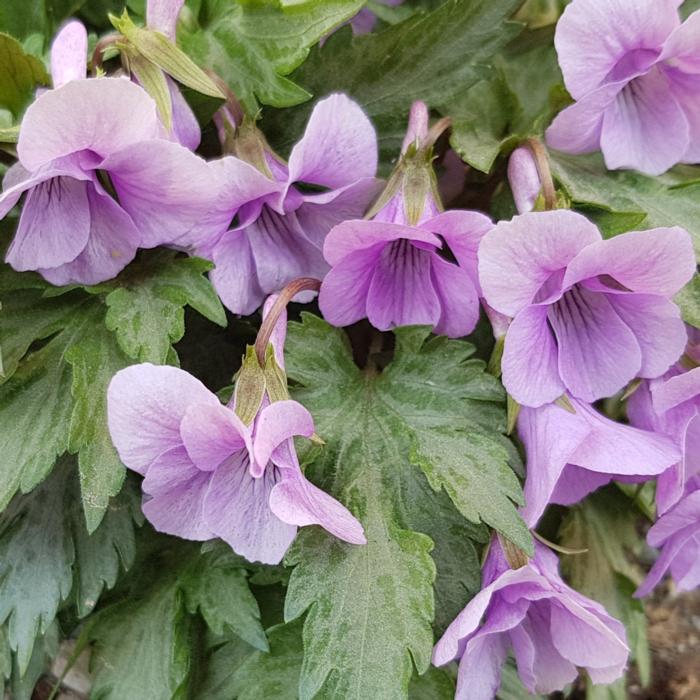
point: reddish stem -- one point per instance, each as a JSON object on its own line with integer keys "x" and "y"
{"x": 104, "y": 43}
{"x": 301, "y": 284}
{"x": 539, "y": 153}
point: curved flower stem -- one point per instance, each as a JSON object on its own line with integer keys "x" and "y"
{"x": 539, "y": 153}
{"x": 232, "y": 103}
{"x": 437, "y": 129}
{"x": 104, "y": 43}
{"x": 301, "y": 284}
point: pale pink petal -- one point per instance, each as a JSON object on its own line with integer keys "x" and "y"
{"x": 211, "y": 434}
{"x": 657, "y": 261}
{"x": 686, "y": 90}
{"x": 598, "y": 353}
{"x": 145, "y": 406}
{"x": 69, "y": 54}
{"x": 657, "y": 326}
{"x": 173, "y": 195}
{"x": 518, "y": 257}
{"x": 479, "y": 675}
{"x": 161, "y": 15}
{"x": 236, "y": 508}
{"x": 524, "y": 179}
{"x": 594, "y": 36}
{"x": 101, "y": 115}
{"x": 418, "y": 123}
{"x": 339, "y": 145}
{"x": 645, "y": 127}
{"x": 530, "y": 359}
{"x": 176, "y": 491}
{"x": 276, "y": 424}
{"x": 578, "y": 128}
{"x": 185, "y": 125}
{"x": 681, "y": 47}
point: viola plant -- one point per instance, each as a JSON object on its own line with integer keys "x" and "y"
{"x": 348, "y": 348}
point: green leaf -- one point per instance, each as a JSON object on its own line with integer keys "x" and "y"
{"x": 626, "y": 192}
{"x": 217, "y": 586}
{"x": 46, "y": 554}
{"x": 434, "y": 57}
{"x": 94, "y": 359}
{"x": 35, "y": 411}
{"x": 36, "y": 555}
{"x": 274, "y": 674}
{"x": 142, "y": 646}
{"x": 101, "y": 556}
{"x": 23, "y": 19}
{"x": 20, "y": 73}
{"x": 606, "y": 572}
{"x": 434, "y": 684}
{"x": 146, "y": 308}
{"x": 688, "y": 299}
{"x": 370, "y": 607}
{"x": 252, "y": 45}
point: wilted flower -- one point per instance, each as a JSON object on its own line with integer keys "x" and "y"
{"x": 677, "y": 533}
{"x": 571, "y": 454}
{"x": 589, "y": 315}
{"x": 551, "y": 629}
{"x": 281, "y": 228}
{"x": 396, "y": 269}
{"x": 209, "y": 474}
{"x": 632, "y": 68}
{"x": 670, "y": 405}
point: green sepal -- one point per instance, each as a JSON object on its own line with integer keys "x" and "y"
{"x": 275, "y": 377}
{"x": 250, "y": 387}
{"x": 565, "y": 402}
{"x": 513, "y": 410}
{"x": 494, "y": 365}
{"x": 153, "y": 81}
{"x": 158, "y": 49}
{"x": 9, "y": 134}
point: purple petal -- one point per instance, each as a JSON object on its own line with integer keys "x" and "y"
{"x": 54, "y": 225}
{"x": 401, "y": 292}
{"x": 479, "y": 675}
{"x": 173, "y": 195}
{"x": 161, "y": 15}
{"x": 578, "y": 128}
{"x": 100, "y": 115}
{"x": 177, "y": 490}
{"x": 349, "y": 236}
{"x": 339, "y": 145}
{"x": 516, "y": 258}
{"x": 237, "y": 509}
{"x": 463, "y": 231}
{"x": 234, "y": 277}
{"x": 185, "y": 125}
{"x": 145, "y": 406}
{"x": 211, "y": 434}
{"x": 657, "y": 261}
{"x": 551, "y": 436}
{"x": 69, "y": 54}
{"x": 281, "y": 251}
{"x": 343, "y": 296}
{"x": 598, "y": 353}
{"x": 676, "y": 390}
{"x": 594, "y": 36}
{"x": 111, "y": 245}
{"x": 681, "y": 47}
{"x": 657, "y": 326}
{"x": 645, "y": 128}
{"x": 685, "y": 514}
{"x": 459, "y": 299}
{"x": 276, "y": 424}
{"x": 530, "y": 359}
{"x": 296, "y": 501}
